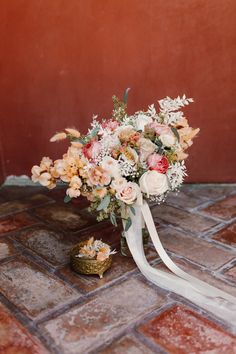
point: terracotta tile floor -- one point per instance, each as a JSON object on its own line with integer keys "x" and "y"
{"x": 46, "y": 308}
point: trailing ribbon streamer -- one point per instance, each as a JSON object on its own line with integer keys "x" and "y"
{"x": 199, "y": 292}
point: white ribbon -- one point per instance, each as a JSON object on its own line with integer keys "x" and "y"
{"x": 199, "y": 292}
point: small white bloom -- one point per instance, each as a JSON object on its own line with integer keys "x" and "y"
{"x": 142, "y": 120}
{"x": 152, "y": 111}
{"x": 153, "y": 183}
{"x": 176, "y": 174}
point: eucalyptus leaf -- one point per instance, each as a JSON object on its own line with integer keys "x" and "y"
{"x": 126, "y": 95}
{"x": 104, "y": 203}
{"x": 133, "y": 210}
{"x": 113, "y": 219}
{"x": 128, "y": 224}
{"x": 175, "y": 131}
{"x": 67, "y": 199}
{"x": 94, "y": 132}
{"x": 79, "y": 140}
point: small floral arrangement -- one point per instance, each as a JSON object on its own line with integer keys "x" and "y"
{"x": 124, "y": 158}
{"x": 95, "y": 249}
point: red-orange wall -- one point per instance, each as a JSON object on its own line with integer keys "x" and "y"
{"x": 61, "y": 61}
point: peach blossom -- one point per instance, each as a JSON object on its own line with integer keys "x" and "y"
{"x": 75, "y": 185}
{"x": 100, "y": 192}
{"x": 98, "y": 176}
{"x": 46, "y": 163}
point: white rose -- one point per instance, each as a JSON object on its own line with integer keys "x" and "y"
{"x": 153, "y": 183}
{"x": 146, "y": 148}
{"x": 167, "y": 139}
{"x": 141, "y": 121}
{"x": 129, "y": 193}
{"x": 118, "y": 183}
{"x": 111, "y": 166}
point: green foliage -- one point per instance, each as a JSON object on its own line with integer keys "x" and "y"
{"x": 104, "y": 203}
{"x": 94, "y": 132}
{"x": 126, "y": 95}
{"x": 67, "y": 199}
{"x": 113, "y": 219}
{"x": 160, "y": 147}
{"x": 175, "y": 131}
{"x": 132, "y": 210}
{"x": 128, "y": 224}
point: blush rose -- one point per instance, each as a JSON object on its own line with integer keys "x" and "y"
{"x": 157, "y": 163}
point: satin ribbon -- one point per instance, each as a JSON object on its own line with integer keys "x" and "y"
{"x": 199, "y": 292}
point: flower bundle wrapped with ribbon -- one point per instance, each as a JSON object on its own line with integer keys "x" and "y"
{"x": 121, "y": 163}
{"x": 124, "y": 158}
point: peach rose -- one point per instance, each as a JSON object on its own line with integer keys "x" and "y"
{"x": 129, "y": 193}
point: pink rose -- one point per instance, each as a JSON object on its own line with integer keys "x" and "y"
{"x": 129, "y": 193}
{"x": 159, "y": 128}
{"x": 91, "y": 149}
{"x": 110, "y": 124}
{"x": 158, "y": 163}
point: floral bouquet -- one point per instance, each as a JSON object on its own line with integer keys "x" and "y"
{"x": 118, "y": 165}
{"x": 123, "y": 159}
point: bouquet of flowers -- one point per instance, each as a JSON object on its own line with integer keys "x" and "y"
{"x": 117, "y": 165}
{"x": 124, "y": 158}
